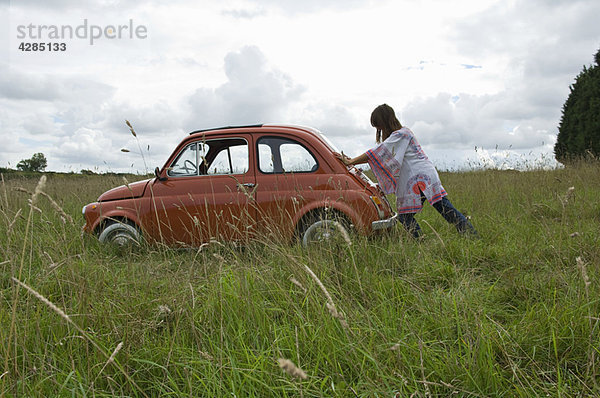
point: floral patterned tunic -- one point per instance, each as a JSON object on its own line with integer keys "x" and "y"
{"x": 401, "y": 167}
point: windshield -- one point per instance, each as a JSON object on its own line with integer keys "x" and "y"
{"x": 328, "y": 142}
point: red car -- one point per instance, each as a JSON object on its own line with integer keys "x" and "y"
{"x": 239, "y": 183}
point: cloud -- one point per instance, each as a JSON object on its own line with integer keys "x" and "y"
{"x": 243, "y": 9}
{"x": 538, "y": 35}
{"x": 308, "y": 6}
{"x": 158, "y": 127}
{"x": 69, "y": 5}
{"x": 46, "y": 87}
{"x": 490, "y": 121}
{"x": 535, "y": 48}
{"x": 81, "y": 123}
{"x": 24, "y": 86}
{"x": 253, "y": 93}
{"x": 156, "y": 119}
{"x": 245, "y": 13}
{"x": 497, "y": 73}
{"x": 86, "y": 146}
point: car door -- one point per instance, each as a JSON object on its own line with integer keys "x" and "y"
{"x": 288, "y": 177}
{"x": 208, "y": 193}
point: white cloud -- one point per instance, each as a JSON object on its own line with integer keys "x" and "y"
{"x": 470, "y": 120}
{"x": 254, "y": 93}
{"x": 85, "y": 146}
{"x": 461, "y": 74}
{"x": 306, "y": 6}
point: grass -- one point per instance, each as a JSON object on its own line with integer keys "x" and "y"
{"x": 515, "y": 313}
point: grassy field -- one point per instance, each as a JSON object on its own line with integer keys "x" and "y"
{"x": 515, "y": 313}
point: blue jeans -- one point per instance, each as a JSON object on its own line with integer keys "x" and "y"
{"x": 447, "y": 210}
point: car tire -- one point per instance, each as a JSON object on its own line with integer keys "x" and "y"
{"x": 120, "y": 234}
{"x": 325, "y": 228}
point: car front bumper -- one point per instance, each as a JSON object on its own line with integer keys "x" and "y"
{"x": 385, "y": 224}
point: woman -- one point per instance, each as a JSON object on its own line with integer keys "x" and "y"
{"x": 401, "y": 167}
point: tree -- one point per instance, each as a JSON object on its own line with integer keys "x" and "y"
{"x": 37, "y": 162}
{"x": 579, "y": 128}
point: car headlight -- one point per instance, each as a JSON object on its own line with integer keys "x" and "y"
{"x": 378, "y": 205}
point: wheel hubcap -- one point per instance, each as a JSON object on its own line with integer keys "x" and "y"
{"x": 123, "y": 239}
{"x": 326, "y": 231}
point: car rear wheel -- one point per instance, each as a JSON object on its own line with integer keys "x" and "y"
{"x": 120, "y": 234}
{"x": 325, "y": 228}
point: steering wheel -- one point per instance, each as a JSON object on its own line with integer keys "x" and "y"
{"x": 189, "y": 166}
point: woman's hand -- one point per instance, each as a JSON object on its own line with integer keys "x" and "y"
{"x": 348, "y": 161}
{"x": 345, "y": 159}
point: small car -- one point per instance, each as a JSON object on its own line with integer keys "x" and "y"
{"x": 240, "y": 183}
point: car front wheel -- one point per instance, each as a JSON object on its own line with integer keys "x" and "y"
{"x": 325, "y": 230}
{"x": 120, "y": 234}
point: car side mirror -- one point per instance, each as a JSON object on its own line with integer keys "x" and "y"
{"x": 157, "y": 174}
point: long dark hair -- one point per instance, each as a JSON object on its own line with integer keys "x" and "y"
{"x": 384, "y": 120}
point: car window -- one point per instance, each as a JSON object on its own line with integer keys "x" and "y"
{"x": 232, "y": 159}
{"x": 282, "y": 155}
{"x": 294, "y": 157}
{"x": 186, "y": 163}
{"x": 265, "y": 158}
{"x": 222, "y": 156}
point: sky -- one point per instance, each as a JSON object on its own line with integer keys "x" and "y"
{"x": 480, "y": 83}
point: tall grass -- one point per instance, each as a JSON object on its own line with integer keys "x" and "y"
{"x": 513, "y": 314}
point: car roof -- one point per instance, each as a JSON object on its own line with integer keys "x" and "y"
{"x": 259, "y": 126}
{"x": 262, "y": 127}
{"x": 227, "y": 128}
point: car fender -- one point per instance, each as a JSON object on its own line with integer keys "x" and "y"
{"x": 336, "y": 205}
{"x": 129, "y": 214}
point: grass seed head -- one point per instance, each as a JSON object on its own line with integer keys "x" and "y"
{"x": 21, "y": 189}
{"x": 38, "y": 189}
{"x": 130, "y": 128}
{"x": 568, "y": 195}
{"x": 583, "y": 269}
{"x": 164, "y": 311}
{"x": 206, "y": 355}
{"x": 59, "y": 210}
{"x": 115, "y": 352}
{"x": 291, "y": 369}
{"x": 297, "y": 283}
{"x": 343, "y": 233}
{"x": 337, "y": 315}
{"x": 34, "y": 207}
{"x": 43, "y": 299}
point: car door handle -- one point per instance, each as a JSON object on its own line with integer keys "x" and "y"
{"x": 247, "y": 185}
